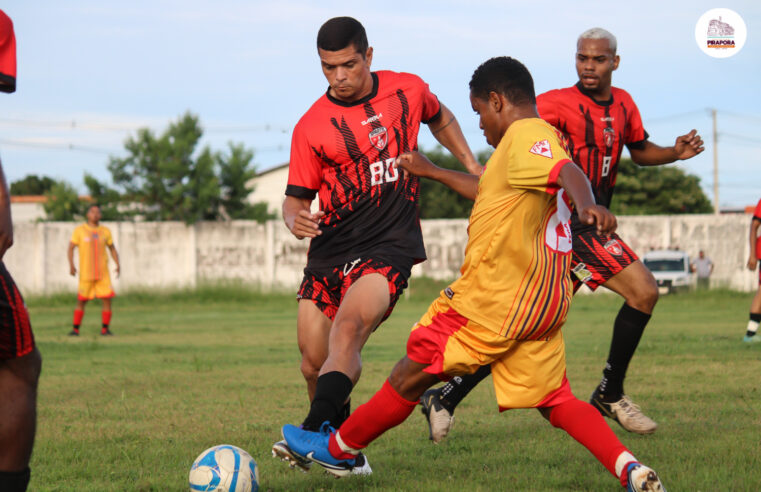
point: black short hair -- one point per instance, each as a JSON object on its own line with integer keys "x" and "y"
{"x": 503, "y": 75}
{"x": 341, "y": 32}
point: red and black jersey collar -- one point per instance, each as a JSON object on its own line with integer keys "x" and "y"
{"x": 590, "y": 95}
{"x": 345, "y": 104}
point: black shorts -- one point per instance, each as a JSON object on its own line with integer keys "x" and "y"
{"x": 327, "y": 286}
{"x": 597, "y": 258}
{"x": 16, "y": 338}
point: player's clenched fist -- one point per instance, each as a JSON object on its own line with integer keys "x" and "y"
{"x": 597, "y": 214}
{"x": 416, "y": 164}
{"x": 305, "y": 224}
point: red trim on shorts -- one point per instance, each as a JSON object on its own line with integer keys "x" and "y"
{"x": 427, "y": 343}
{"x": 560, "y": 395}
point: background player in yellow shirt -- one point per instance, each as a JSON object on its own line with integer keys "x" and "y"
{"x": 92, "y": 239}
{"x": 511, "y": 299}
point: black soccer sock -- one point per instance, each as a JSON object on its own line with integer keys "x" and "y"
{"x": 755, "y": 319}
{"x": 331, "y": 393}
{"x": 14, "y": 481}
{"x": 627, "y": 331}
{"x": 343, "y": 414}
{"x": 458, "y": 387}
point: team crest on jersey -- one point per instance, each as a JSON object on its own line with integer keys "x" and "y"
{"x": 379, "y": 138}
{"x": 609, "y": 135}
{"x": 614, "y": 247}
{"x": 542, "y": 148}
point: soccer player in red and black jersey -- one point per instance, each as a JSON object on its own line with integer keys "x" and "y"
{"x": 598, "y": 120}
{"x": 366, "y": 235}
{"x": 20, "y": 361}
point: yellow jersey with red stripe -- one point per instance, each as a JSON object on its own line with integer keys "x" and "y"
{"x": 515, "y": 280}
{"x": 92, "y": 242}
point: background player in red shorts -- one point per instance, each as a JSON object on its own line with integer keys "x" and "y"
{"x": 20, "y": 361}
{"x": 597, "y": 121}
{"x": 751, "y": 334}
{"x": 366, "y": 235}
{"x": 507, "y": 307}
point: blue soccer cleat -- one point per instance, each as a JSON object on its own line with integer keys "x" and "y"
{"x": 643, "y": 479}
{"x": 309, "y": 445}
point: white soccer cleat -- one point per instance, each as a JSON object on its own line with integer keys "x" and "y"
{"x": 625, "y": 412}
{"x": 643, "y": 479}
{"x": 440, "y": 421}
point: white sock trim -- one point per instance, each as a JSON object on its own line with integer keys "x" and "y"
{"x": 345, "y": 447}
{"x": 753, "y": 326}
{"x": 622, "y": 460}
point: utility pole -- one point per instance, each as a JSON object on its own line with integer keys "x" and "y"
{"x": 715, "y": 164}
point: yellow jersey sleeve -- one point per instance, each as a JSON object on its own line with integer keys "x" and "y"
{"x": 109, "y": 240}
{"x": 536, "y": 154}
{"x": 76, "y": 236}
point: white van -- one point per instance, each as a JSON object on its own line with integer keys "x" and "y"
{"x": 671, "y": 269}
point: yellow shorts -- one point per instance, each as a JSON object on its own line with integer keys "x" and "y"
{"x": 526, "y": 373}
{"x": 90, "y": 289}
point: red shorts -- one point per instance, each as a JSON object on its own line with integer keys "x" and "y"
{"x": 16, "y": 338}
{"x": 326, "y": 287}
{"x": 597, "y": 258}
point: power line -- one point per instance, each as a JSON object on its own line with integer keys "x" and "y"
{"x": 54, "y": 146}
{"x": 110, "y": 127}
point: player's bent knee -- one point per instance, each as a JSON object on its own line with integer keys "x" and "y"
{"x": 309, "y": 370}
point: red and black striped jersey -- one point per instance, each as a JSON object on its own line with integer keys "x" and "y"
{"x": 345, "y": 152}
{"x": 7, "y": 54}
{"x": 596, "y": 132}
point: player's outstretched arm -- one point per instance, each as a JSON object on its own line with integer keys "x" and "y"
{"x": 417, "y": 164}
{"x": 70, "y": 256}
{"x": 298, "y": 218}
{"x": 685, "y": 147}
{"x": 576, "y": 184}
{"x": 6, "y": 224}
{"x": 115, "y": 256}
{"x": 752, "y": 258}
{"x": 447, "y": 131}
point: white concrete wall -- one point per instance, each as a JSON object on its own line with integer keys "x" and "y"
{"x": 171, "y": 254}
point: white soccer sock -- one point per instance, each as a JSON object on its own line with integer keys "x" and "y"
{"x": 345, "y": 447}
{"x": 622, "y": 460}
{"x": 752, "y": 326}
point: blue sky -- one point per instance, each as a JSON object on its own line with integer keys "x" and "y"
{"x": 91, "y": 72}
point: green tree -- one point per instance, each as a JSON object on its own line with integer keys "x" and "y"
{"x": 32, "y": 185}
{"x": 63, "y": 203}
{"x": 438, "y": 201}
{"x": 108, "y": 199}
{"x": 653, "y": 190}
{"x": 167, "y": 177}
{"x": 235, "y": 172}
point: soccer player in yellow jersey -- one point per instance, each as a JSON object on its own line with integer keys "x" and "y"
{"x": 92, "y": 239}
{"x": 512, "y": 297}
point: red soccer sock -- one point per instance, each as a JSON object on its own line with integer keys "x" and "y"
{"x": 105, "y": 317}
{"x": 386, "y": 409}
{"x": 585, "y": 424}
{"x": 78, "y": 315}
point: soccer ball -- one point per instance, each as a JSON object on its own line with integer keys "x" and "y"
{"x": 224, "y": 468}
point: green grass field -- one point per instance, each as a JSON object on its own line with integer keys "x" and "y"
{"x": 185, "y": 371}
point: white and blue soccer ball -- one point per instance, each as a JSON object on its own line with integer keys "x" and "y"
{"x": 224, "y": 468}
